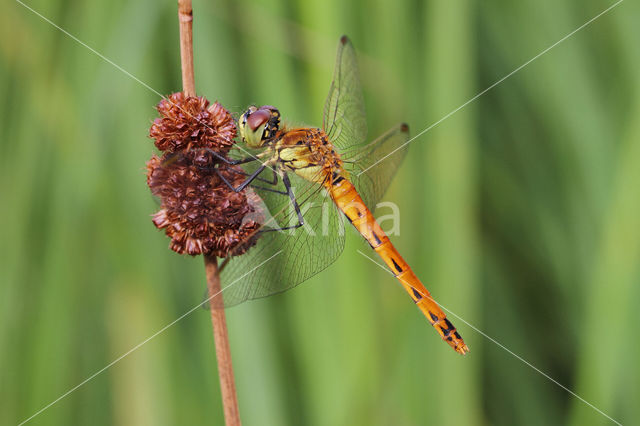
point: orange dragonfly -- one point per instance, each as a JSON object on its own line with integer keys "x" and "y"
{"x": 308, "y": 178}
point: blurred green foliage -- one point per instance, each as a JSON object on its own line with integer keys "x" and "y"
{"x": 520, "y": 212}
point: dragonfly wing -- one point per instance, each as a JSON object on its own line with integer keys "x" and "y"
{"x": 373, "y": 166}
{"x": 344, "y": 118}
{"x": 283, "y": 259}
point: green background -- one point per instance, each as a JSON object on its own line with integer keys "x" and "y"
{"x": 520, "y": 212}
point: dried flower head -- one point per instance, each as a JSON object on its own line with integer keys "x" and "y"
{"x": 190, "y": 122}
{"x": 200, "y": 212}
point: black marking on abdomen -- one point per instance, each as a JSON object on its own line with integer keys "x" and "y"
{"x": 449, "y": 328}
{"x": 376, "y": 238}
{"x": 395, "y": 265}
{"x": 336, "y": 178}
{"x": 433, "y": 316}
{"x": 457, "y": 335}
{"x": 416, "y": 294}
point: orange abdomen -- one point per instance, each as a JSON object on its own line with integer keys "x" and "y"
{"x": 350, "y": 203}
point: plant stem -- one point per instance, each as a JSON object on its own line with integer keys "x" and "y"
{"x": 221, "y": 339}
{"x": 218, "y": 319}
{"x": 185, "y": 17}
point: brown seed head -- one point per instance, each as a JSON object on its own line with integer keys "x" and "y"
{"x": 200, "y": 213}
{"x": 189, "y": 122}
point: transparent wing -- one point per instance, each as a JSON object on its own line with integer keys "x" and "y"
{"x": 344, "y": 118}
{"x": 373, "y": 166}
{"x": 283, "y": 259}
{"x": 280, "y": 260}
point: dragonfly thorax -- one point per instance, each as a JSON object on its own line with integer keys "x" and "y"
{"x": 308, "y": 153}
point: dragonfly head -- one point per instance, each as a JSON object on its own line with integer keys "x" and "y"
{"x": 259, "y": 124}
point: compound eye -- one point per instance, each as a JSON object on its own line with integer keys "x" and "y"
{"x": 273, "y": 125}
{"x": 257, "y": 118}
{"x": 272, "y": 110}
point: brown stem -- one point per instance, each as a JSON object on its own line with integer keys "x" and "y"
{"x": 218, "y": 319}
{"x": 221, "y": 339}
{"x": 185, "y": 17}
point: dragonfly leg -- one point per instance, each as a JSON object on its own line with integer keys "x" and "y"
{"x": 287, "y": 184}
{"x": 228, "y": 161}
{"x": 244, "y": 184}
{"x": 273, "y": 181}
{"x": 292, "y": 197}
{"x": 294, "y": 202}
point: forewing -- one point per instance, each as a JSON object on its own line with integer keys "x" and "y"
{"x": 344, "y": 118}
{"x": 373, "y": 167}
{"x": 283, "y": 259}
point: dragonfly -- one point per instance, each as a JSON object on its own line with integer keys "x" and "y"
{"x": 309, "y": 179}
